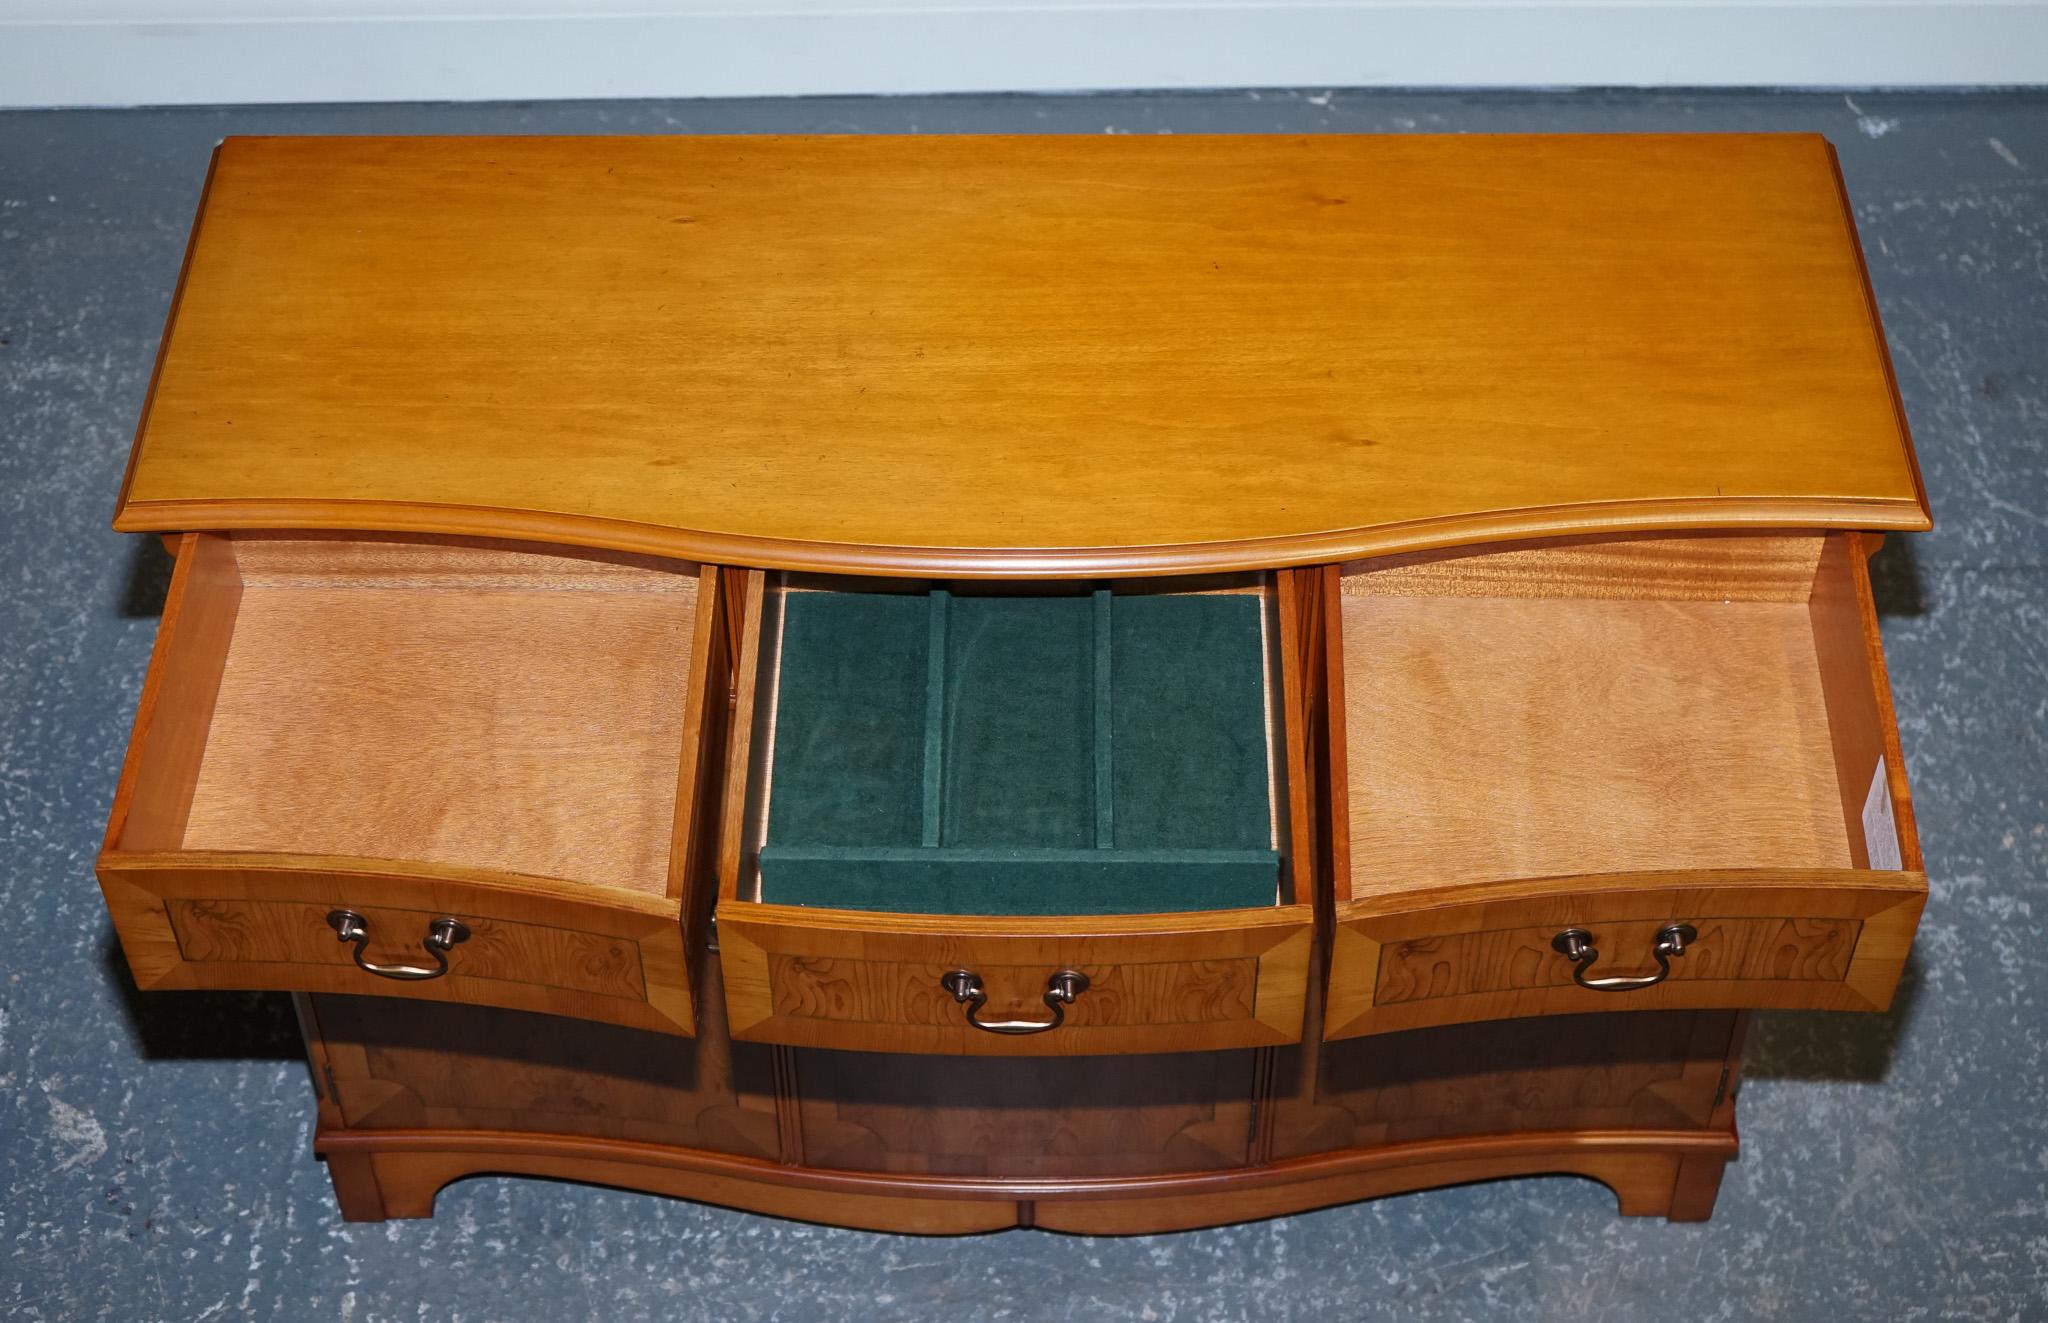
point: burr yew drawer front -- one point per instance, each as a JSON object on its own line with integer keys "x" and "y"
{"x": 230, "y": 923}
{"x": 444, "y": 769}
{"x": 1014, "y": 987}
{"x": 1701, "y": 942}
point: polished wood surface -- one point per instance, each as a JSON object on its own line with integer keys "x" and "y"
{"x": 419, "y": 729}
{"x": 1157, "y": 983}
{"x": 175, "y": 713}
{"x": 1035, "y": 1119}
{"x": 1861, "y": 722}
{"x": 412, "y": 1098}
{"x": 393, "y": 1065}
{"x": 1652, "y": 1174}
{"x": 1470, "y": 963}
{"x": 1540, "y": 731}
{"x": 1024, "y": 356}
{"x": 1716, "y": 567}
{"x": 519, "y": 711}
{"x": 1602, "y": 1072}
{"x": 191, "y": 920}
{"x": 1832, "y": 941}
{"x": 1613, "y": 736}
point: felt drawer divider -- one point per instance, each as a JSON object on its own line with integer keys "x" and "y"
{"x": 1022, "y": 854}
{"x": 1105, "y": 789}
{"x": 935, "y": 715}
{"x": 939, "y": 602}
{"x": 989, "y": 879}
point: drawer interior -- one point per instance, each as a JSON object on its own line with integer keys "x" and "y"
{"x": 468, "y": 704}
{"x": 1039, "y": 750}
{"x": 1611, "y": 705}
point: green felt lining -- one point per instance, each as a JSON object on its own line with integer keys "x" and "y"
{"x": 962, "y": 753}
{"x": 916, "y": 880}
{"x": 1105, "y": 724}
{"x": 850, "y": 727}
{"x": 1019, "y": 722}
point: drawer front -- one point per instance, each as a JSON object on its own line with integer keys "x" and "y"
{"x": 1153, "y": 983}
{"x": 1771, "y": 940}
{"x": 234, "y": 925}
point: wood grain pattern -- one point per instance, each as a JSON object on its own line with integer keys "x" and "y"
{"x": 406, "y": 1169}
{"x": 1466, "y": 963}
{"x": 1642, "y": 1182}
{"x": 1544, "y": 746}
{"x": 154, "y": 797}
{"x": 1332, "y": 729}
{"x": 192, "y": 920}
{"x": 1278, "y": 350}
{"x": 1532, "y": 737}
{"x": 1712, "y": 567}
{"x": 399, "y": 1065}
{"x": 1695, "y": 1188}
{"x": 1654, "y": 1071}
{"x": 241, "y": 932}
{"x": 1025, "y": 1119}
{"x": 408, "y": 1180}
{"x": 1299, "y": 648}
{"x": 517, "y": 711}
{"x": 693, "y": 839}
{"x": 1191, "y": 992}
{"x": 744, "y": 781}
{"x": 385, "y": 725}
{"x": 870, "y": 982}
{"x": 1768, "y": 938}
{"x": 422, "y": 1096}
{"x": 1857, "y": 691}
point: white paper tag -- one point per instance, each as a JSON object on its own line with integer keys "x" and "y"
{"x": 1880, "y": 832}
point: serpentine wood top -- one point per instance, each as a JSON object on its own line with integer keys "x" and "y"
{"x": 1023, "y": 355}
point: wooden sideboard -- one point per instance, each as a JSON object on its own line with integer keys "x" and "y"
{"x": 1450, "y": 554}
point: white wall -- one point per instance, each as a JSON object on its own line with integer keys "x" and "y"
{"x": 128, "y": 52}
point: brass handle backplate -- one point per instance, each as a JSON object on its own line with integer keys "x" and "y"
{"x": 1060, "y": 991}
{"x": 442, "y": 935}
{"x": 1576, "y": 945}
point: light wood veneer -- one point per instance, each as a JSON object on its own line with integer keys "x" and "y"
{"x": 414, "y": 1098}
{"x": 1612, "y": 735}
{"x": 1019, "y": 356}
{"x": 508, "y": 737}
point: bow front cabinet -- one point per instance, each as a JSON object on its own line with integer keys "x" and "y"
{"x": 942, "y": 684}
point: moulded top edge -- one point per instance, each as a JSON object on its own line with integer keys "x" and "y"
{"x": 1012, "y": 356}
{"x": 1023, "y": 562}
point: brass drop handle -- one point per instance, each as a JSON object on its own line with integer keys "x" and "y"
{"x": 1576, "y": 945}
{"x": 1060, "y": 991}
{"x": 442, "y": 935}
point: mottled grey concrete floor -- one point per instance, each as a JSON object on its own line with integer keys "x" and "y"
{"x": 154, "y": 1149}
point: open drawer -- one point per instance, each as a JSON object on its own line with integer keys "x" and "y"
{"x": 1613, "y": 773}
{"x": 455, "y": 770}
{"x": 1016, "y": 819}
